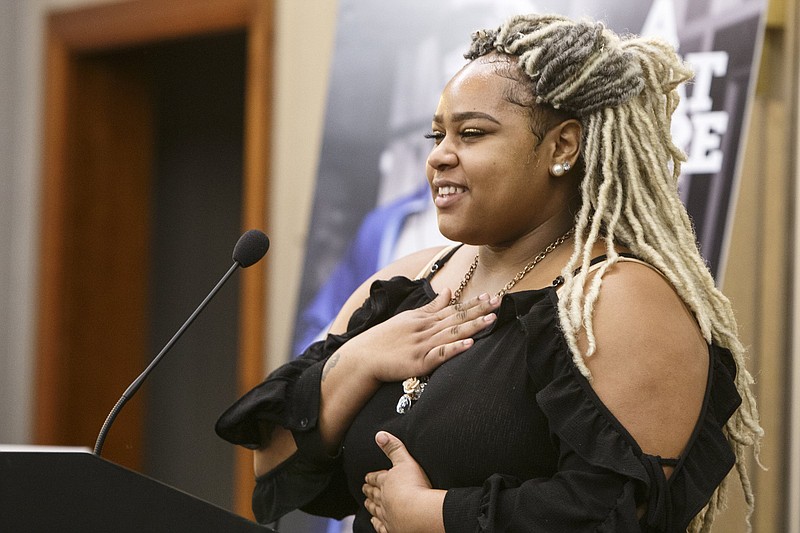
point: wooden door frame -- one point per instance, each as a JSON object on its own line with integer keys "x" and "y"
{"x": 106, "y": 27}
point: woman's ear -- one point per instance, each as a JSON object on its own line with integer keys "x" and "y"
{"x": 568, "y": 137}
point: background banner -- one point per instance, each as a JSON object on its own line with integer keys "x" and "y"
{"x": 390, "y": 63}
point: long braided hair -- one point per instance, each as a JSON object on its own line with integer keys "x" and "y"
{"x": 623, "y": 91}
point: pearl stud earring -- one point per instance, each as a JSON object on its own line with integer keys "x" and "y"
{"x": 559, "y": 169}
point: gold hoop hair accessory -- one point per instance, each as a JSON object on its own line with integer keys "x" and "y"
{"x": 559, "y": 169}
{"x": 413, "y": 387}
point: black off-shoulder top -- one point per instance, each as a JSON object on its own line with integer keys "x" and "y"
{"x": 510, "y": 428}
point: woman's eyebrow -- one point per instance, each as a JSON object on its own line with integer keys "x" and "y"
{"x": 466, "y": 115}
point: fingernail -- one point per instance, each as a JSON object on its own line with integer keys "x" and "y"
{"x": 484, "y": 296}
{"x": 382, "y": 438}
{"x": 467, "y": 342}
{"x": 494, "y": 300}
{"x": 491, "y": 317}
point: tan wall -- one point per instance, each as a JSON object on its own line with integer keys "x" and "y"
{"x": 760, "y": 265}
{"x": 305, "y": 45}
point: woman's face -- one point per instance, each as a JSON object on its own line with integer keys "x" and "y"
{"x": 489, "y": 174}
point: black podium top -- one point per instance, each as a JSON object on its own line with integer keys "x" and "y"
{"x": 62, "y": 491}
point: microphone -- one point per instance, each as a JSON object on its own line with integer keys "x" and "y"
{"x": 249, "y": 250}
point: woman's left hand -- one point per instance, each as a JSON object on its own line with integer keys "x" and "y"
{"x": 401, "y": 499}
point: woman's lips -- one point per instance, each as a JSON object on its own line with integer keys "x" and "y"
{"x": 447, "y": 196}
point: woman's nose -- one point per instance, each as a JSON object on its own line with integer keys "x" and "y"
{"x": 442, "y": 156}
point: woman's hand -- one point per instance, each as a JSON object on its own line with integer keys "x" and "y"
{"x": 411, "y": 343}
{"x": 401, "y": 499}
{"x": 417, "y": 341}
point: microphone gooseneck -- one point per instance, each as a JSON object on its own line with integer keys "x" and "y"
{"x": 249, "y": 249}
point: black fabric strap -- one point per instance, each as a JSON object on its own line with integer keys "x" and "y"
{"x": 442, "y": 260}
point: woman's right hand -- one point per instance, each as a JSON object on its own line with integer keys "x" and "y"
{"x": 411, "y": 343}
{"x": 417, "y": 341}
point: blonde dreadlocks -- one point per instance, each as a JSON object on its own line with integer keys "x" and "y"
{"x": 623, "y": 90}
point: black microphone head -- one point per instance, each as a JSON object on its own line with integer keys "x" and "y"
{"x": 250, "y": 248}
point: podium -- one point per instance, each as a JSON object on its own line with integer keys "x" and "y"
{"x": 68, "y": 491}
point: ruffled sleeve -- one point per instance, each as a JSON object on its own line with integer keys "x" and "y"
{"x": 709, "y": 457}
{"x": 290, "y": 397}
{"x": 603, "y": 476}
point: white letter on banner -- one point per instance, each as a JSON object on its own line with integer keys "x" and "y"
{"x": 660, "y": 22}
{"x": 706, "y": 65}
{"x": 705, "y": 156}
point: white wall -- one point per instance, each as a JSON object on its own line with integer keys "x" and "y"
{"x": 12, "y": 395}
{"x": 300, "y": 85}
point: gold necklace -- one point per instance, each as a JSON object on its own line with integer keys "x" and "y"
{"x": 521, "y": 274}
{"x": 413, "y": 387}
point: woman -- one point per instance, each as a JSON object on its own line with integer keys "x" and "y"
{"x": 571, "y": 366}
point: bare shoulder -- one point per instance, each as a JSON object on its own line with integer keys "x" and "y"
{"x": 408, "y": 266}
{"x": 651, "y": 362}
